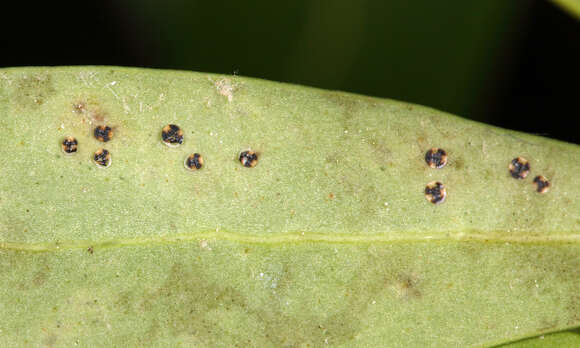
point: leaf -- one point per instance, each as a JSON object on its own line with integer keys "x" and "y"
{"x": 570, "y": 6}
{"x": 328, "y": 240}
{"x": 559, "y": 339}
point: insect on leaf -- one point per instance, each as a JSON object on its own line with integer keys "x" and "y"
{"x": 312, "y": 218}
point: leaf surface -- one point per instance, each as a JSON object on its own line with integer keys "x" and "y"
{"x": 570, "y": 6}
{"x": 328, "y": 240}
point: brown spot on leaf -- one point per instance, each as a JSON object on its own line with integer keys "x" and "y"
{"x": 39, "y": 278}
{"x": 79, "y": 107}
{"x": 88, "y": 110}
{"x": 458, "y": 163}
{"x": 33, "y": 90}
{"x": 405, "y": 287}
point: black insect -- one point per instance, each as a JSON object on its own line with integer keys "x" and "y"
{"x": 194, "y": 161}
{"x": 519, "y": 168}
{"x": 70, "y": 145}
{"x": 249, "y": 158}
{"x": 102, "y": 158}
{"x": 172, "y": 135}
{"x": 435, "y": 192}
{"x": 542, "y": 184}
{"x": 103, "y": 133}
{"x": 436, "y": 158}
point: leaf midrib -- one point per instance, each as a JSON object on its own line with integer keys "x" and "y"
{"x": 304, "y": 237}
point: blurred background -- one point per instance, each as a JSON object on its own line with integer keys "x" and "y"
{"x": 514, "y": 64}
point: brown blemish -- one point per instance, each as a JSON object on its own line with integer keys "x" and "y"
{"x": 89, "y": 111}
{"x": 405, "y": 287}
{"x": 39, "y": 278}
{"x": 79, "y": 107}
{"x": 91, "y": 250}
{"x": 98, "y": 116}
{"x": 332, "y": 158}
{"x": 383, "y": 152}
{"x": 226, "y": 88}
{"x": 458, "y": 163}
{"x": 422, "y": 140}
{"x": 33, "y": 91}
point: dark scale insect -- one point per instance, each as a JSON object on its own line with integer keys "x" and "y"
{"x": 103, "y": 133}
{"x": 249, "y": 158}
{"x": 102, "y": 158}
{"x": 70, "y": 145}
{"x": 194, "y": 161}
{"x": 542, "y": 184}
{"x": 435, "y": 192}
{"x": 172, "y": 135}
{"x": 436, "y": 158}
{"x": 519, "y": 168}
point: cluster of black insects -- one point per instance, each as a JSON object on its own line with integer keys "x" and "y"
{"x": 102, "y": 157}
{"x": 519, "y": 168}
{"x": 172, "y": 136}
{"x": 435, "y": 191}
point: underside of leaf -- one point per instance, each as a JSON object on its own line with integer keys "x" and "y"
{"x": 329, "y": 238}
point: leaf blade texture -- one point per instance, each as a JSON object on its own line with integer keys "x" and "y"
{"x": 327, "y": 240}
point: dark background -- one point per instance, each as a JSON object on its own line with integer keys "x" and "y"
{"x": 514, "y": 64}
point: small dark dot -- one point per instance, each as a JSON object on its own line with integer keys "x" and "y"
{"x": 436, "y": 158}
{"x": 172, "y": 135}
{"x": 249, "y": 159}
{"x": 519, "y": 168}
{"x": 542, "y": 184}
{"x": 91, "y": 250}
{"x": 194, "y": 161}
{"x": 435, "y": 192}
{"x": 69, "y": 145}
{"x": 102, "y": 158}
{"x": 103, "y": 133}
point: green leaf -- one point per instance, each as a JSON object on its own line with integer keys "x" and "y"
{"x": 570, "y": 6}
{"x": 328, "y": 240}
{"x": 559, "y": 339}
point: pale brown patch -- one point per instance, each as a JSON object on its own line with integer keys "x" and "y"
{"x": 226, "y": 88}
